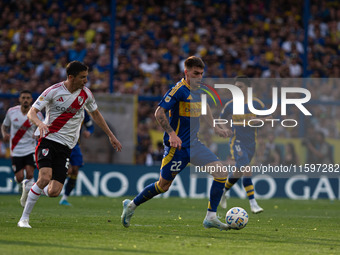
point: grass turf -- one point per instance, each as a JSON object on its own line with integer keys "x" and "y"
{"x": 168, "y": 226}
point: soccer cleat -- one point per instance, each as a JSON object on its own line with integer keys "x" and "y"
{"x": 223, "y": 202}
{"x": 64, "y": 202}
{"x": 24, "y": 224}
{"x": 256, "y": 208}
{"x": 215, "y": 223}
{"x": 24, "y": 193}
{"x": 127, "y": 213}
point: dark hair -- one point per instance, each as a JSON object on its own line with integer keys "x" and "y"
{"x": 75, "y": 67}
{"x": 244, "y": 79}
{"x": 26, "y": 91}
{"x": 193, "y": 61}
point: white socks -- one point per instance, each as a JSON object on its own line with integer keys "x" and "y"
{"x": 45, "y": 191}
{"x": 64, "y": 197}
{"x": 132, "y": 205}
{"x": 252, "y": 202}
{"x": 32, "y": 198}
{"x": 210, "y": 215}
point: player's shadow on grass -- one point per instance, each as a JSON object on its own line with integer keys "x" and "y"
{"x": 205, "y": 233}
{"x": 86, "y": 249}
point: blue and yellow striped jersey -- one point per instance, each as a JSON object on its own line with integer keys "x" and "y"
{"x": 184, "y": 107}
{"x": 244, "y": 133}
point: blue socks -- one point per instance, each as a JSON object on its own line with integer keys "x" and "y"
{"x": 71, "y": 183}
{"x": 148, "y": 192}
{"x": 249, "y": 187}
{"x": 216, "y": 192}
{"x": 230, "y": 182}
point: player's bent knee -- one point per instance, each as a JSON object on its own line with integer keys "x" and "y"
{"x": 44, "y": 176}
{"x": 237, "y": 174}
{"x": 19, "y": 179}
{"x": 165, "y": 188}
{"x": 219, "y": 170}
{"x": 45, "y": 179}
{"x": 248, "y": 174}
{"x": 164, "y": 185}
{"x": 220, "y": 175}
{"x": 19, "y": 176}
{"x": 53, "y": 193}
{"x": 29, "y": 175}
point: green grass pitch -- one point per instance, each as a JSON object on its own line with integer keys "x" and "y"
{"x": 168, "y": 226}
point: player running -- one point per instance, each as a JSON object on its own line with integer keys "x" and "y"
{"x": 65, "y": 103}
{"x": 76, "y": 161}
{"x": 242, "y": 143}
{"x": 181, "y": 144}
{"x": 22, "y": 141}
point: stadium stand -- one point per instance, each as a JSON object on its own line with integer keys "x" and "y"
{"x": 262, "y": 39}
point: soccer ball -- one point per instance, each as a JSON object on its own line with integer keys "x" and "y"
{"x": 237, "y": 218}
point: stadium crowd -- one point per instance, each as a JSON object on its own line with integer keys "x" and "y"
{"x": 260, "y": 38}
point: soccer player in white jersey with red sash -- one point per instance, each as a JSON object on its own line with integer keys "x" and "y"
{"x": 19, "y": 131}
{"x": 64, "y": 104}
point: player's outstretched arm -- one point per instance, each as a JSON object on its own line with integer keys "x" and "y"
{"x": 99, "y": 119}
{"x": 163, "y": 121}
{"x": 33, "y": 117}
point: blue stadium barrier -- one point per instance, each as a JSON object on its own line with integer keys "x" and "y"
{"x": 128, "y": 180}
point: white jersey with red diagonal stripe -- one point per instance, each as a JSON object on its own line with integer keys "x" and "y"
{"x": 22, "y": 141}
{"x": 65, "y": 112}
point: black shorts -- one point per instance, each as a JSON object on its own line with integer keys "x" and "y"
{"x": 19, "y": 163}
{"x": 53, "y": 155}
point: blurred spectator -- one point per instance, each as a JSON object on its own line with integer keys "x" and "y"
{"x": 154, "y": 157}
{"x": 318, "y": 150}
{"x": 290, "y": 156}
{"x": 149, "y": 65}
{"x": 272, "y": 71}
{"x": 272, "y": 153}
{"x": 292, "y": 43}
{"x": 78, "y": 52}
{"x": 3, "y": 149}
{"x": 295, "y": 69}
{"x": 143, "y": 143}
{"x": 260, "y": 152}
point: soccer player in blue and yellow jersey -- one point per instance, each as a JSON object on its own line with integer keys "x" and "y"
{"x": 242, "y": 143}
{"x": 182, "y": 145}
